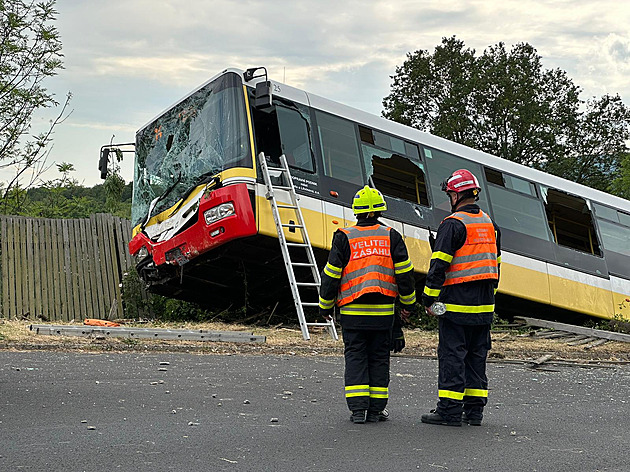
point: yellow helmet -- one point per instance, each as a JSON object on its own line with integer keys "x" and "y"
{"x": 368, "y": 199}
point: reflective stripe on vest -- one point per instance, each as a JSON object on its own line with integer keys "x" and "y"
{"x": 371, "y": 268}
{"x": 477, "y": 258}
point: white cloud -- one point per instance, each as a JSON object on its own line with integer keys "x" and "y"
{"x": 129, "y": 59}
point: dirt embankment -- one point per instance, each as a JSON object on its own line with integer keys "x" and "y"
{"x": 507, "y": 346}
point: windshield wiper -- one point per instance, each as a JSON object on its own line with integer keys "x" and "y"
{"x": 209, "y": 178}
{"x": 157, "y": 200}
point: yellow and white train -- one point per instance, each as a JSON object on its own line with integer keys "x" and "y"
{"x": 204, "y": 229}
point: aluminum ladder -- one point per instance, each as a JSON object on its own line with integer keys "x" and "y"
{"x": 293, "y": 206}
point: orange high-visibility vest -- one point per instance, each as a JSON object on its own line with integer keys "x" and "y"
{"x": 371, "y": 267}
{"x": 477, "y": 258}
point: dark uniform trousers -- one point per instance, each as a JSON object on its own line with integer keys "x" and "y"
{"x": 462, "y": 380}
{"x": 367, "y": 368}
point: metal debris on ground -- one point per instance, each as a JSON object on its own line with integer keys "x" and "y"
{"x": 148, "y": 333}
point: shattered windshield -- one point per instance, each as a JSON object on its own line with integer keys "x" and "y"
{"x": 199, "y": 137}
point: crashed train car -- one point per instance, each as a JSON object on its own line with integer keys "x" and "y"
{"x": 204, "y": 229}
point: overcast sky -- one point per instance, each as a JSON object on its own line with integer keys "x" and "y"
{"x": 127, "y": 60}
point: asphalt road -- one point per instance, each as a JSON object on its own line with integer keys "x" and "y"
{"x": 135, "y": 412}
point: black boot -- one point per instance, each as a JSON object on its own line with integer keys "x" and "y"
{"x": 376, "y": 416}
{"x": 358, "y": 416}
{"x": 472, "y": 419}
{"x": 436, "y": 418}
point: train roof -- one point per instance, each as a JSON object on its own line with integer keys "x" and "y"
{"x": 427, "y": 139}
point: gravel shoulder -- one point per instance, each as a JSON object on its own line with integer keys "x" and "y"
{"x": 507, "y": 345}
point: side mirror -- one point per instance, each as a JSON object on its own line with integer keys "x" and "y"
{"x": 263, "y": 95}
{"x": 103, "y": 161}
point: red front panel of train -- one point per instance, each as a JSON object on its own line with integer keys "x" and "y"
{"x": 202, "y": 237}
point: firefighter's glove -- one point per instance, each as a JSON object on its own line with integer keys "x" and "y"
{"x": 405, "y": 313}
{"x": 397, "y": 343}
{"x": 328, "y": 315}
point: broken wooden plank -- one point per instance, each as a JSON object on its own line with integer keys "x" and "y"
{"x": 553, "y": 334}
{"x": 582, "y": 341}
{"x": 599, "y": 342}
{"x": 598, "y": 333}
{"x": 576, "y": 338}
{"x": 541, "y": 332}
{"x": 542, "y": 359}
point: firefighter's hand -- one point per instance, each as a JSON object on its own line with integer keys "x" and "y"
{"x": 327, "y": 315}
{"x": 397, "y": 343}
{"x": 405, "y": 314}
{"x": 429, "y": 311}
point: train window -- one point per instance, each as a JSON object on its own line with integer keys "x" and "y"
{"x": 396, "y": 176}
{"x": 389, "y": 142}
{"x": 294, "y": 135}
{"x": 518, "y": 212}
{"x": 509, "y": 181}
{"x": 394, "y": 167}
{"x": 366, "y": 135}
{"x": 340, "y": 149}
{"x": 494, "y": 177}
{"x": 412, "y": 150}
{"x": 624, "y": 218}
{"x": 440, "y": 165}
{"x": 520, "y": 185}
{"x": 570, "y": 221}
{"x": 606, "y": 212}
{"x": 615, "y": 238}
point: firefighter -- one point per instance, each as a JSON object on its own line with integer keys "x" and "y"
{"x": 464, "y": 275}
{"x": 367, "y": 269}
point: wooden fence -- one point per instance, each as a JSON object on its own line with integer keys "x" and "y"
{"x": 63, "y": 270}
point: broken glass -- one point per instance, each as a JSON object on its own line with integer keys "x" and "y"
{"x": 201, "y": 136}
{"x": 394, "y": 174}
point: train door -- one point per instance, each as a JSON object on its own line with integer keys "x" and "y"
{"x": 285, "y": 128}
{"x": 579, "y": 279}
{"x": 341, "y": 170}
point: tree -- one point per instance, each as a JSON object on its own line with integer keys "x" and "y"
{"x": 520, "y": 109}
{"x": 30, "y": 52}
{"x": 433, "y": 92}
{"x": 621, "y": 184}
{"x": 596, "y": 146}
{"x": 114, "y": 186}
{"x": 504, "y": 103}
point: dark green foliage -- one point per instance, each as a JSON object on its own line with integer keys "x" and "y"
{"x": 30, "y": 52}
{"x": 65, "y": 198}
{"x": 421, "y": 320}
{"x": 504, "y": 103}
{"x": 621, "y": 183}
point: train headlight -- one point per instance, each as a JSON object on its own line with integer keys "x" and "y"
{"x": 218, "y": 212}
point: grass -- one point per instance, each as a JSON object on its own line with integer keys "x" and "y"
{"x": 288, "y": 340}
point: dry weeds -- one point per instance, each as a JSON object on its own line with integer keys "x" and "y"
{"x": 16, "y": 335}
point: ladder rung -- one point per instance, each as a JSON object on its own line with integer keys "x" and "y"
{"x": 280, "y": 187}
{"x": 318, "y": 324}
{"x": 309, "y": 304}
{"x": 303, "y": 264}
{"x": 297, "y": 244}
{"x": 307, "y": 284}
{"x": 291, "y": 226}
{"x": 293, "y": 207}
{"x": 281, "y": 169}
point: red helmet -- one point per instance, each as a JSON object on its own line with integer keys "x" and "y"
{"x": 461, "y": 180}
